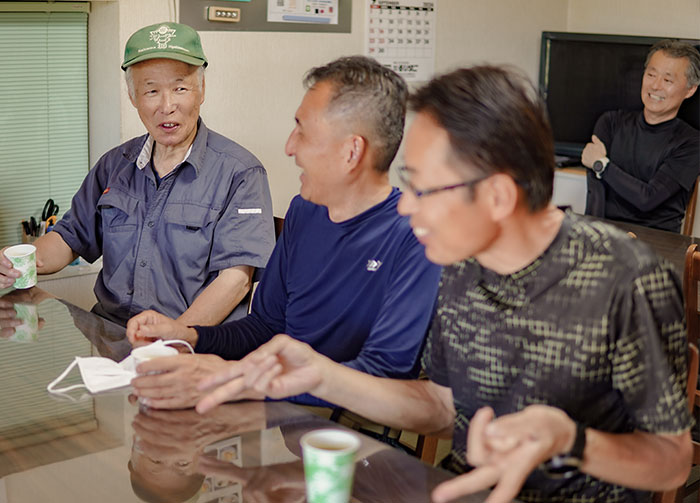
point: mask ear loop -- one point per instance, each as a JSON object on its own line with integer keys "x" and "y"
{"x": 61, "y": 391}
{"x": 178, "y": 341}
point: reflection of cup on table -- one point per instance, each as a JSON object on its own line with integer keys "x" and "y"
{"x": 28, "y": 330}
{"x": 329, "y": 464}
{"x": 23, "y": 258}
{"x": 145, "y": 353}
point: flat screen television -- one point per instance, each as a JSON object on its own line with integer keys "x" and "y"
{"x": 583, "y": 75}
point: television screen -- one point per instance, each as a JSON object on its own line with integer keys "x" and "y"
{"x": 583, "y": 75}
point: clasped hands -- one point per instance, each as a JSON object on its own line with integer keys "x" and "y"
{"x": 506, "y": 450}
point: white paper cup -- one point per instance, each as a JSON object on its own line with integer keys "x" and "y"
{"x": 29, "y": 329}
{"x": 23, "y": 258}
{"x": 145, "y": 353}
{"x": 329, "y": 464}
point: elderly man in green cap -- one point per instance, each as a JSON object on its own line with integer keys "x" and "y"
{"x": 180, "y": 215}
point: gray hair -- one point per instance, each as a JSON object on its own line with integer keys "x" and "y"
{"x": 679, "y": 49}
{"x": 369, "y": 96}
{"x": 130, "y": 78}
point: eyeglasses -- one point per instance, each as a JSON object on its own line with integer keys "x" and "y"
{"x": 403, "y": 177}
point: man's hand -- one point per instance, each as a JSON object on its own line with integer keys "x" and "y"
{"x": 280, "y": 368}
{"x": 149, "y": 326}
{"x": 8, "y": 274}
{"x": 173, "y": 380}
{"x": 506, "y": 450}
{"x": 593, "y": 151}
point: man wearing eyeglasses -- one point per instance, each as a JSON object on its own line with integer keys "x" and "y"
{"x": 347, "y": 275}
{"x": 557, "y": 355}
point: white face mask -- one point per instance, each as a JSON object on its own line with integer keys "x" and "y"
{"x": 102, "y": 374}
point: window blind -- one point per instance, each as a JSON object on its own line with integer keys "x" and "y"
{"x": 43, "y": 114}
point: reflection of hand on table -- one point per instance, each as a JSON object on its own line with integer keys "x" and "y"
{"x": 282, "y": 483}
{"x": 168, "y": 445}
{"x": 32, "y": 295}
{"x": 8, "y": 315}
{"x": 188, "y": 431}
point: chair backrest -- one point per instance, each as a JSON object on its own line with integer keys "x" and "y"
{"x": 279, "y": 224}
{"x": 689, "y": 219}
{"x": 676, "y": 495}
{"x": 691, "y": 276}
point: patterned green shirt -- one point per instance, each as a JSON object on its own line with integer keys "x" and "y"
{"x": 594, "y": 326}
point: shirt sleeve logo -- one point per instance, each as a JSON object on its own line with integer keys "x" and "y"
{"x": 373, "y": 265}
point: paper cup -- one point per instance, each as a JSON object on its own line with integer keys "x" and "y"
{"x": 329, "y": 465}
{"x": 29, "y": 329}
{"x": 145, "y": 353}
{"x": 23, "y": 258}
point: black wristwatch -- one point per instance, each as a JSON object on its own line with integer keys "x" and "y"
{"x": 566, "y": 465}
{"x": 599, "y": 166}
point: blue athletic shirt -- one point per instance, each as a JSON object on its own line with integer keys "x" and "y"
{"x": 360, "y": 292}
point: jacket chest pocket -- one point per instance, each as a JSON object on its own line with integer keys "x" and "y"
{"x": 118, "y": 211}
{"x": 190, "y": 229}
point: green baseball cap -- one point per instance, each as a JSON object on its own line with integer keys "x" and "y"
{"x": 165, "y": 40}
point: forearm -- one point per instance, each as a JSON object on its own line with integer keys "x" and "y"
{"x": 405, "y": 404}
{"x": 645, "y": 196}
{"x": 235, "y": 339}
{"x": 638, "y": 460}
{"x": 52, "y": 253}
{"x": 218, "y": 299}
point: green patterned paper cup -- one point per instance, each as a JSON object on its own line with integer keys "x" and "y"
{"x": 23, "y": 258}
{"x": 28, "y": 330}
{"x": 329, "y": 465}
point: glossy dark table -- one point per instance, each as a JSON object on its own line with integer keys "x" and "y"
{"x": 670, "y": 245}
{"x": 106, "y": 449}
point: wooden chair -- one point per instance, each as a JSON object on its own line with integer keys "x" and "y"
{"x": 279, "y": 224}
{"x": 689, "y": 219}
{"x": 691, "y": 277}
{"x": 677, "y": 495}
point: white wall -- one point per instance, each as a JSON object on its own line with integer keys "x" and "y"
{"x": 667, "y": 18}
{"x": 254, "y": 79}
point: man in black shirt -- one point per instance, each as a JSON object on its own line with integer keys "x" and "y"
{"x": 643, "y": 165}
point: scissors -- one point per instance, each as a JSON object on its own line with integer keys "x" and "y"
{"x": 50, "y": 209}
{"x": 50, "y": 222}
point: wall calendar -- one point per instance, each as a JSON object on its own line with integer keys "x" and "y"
{"x": 401, "y": 36}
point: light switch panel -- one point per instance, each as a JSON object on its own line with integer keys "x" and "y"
{"x": 225, "y": 14}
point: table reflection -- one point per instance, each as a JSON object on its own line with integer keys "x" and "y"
{"x": 107, "y": 449}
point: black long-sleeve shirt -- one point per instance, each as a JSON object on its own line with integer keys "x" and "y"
{"x": 651, "y": 173}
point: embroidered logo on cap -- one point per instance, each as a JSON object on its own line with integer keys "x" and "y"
{"x": 162, "y": 36}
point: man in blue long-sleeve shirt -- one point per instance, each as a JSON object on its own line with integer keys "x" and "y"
{"x": 347, "y": 275}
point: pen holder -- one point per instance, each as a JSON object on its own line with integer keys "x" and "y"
{"x": 26, "y": 238}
